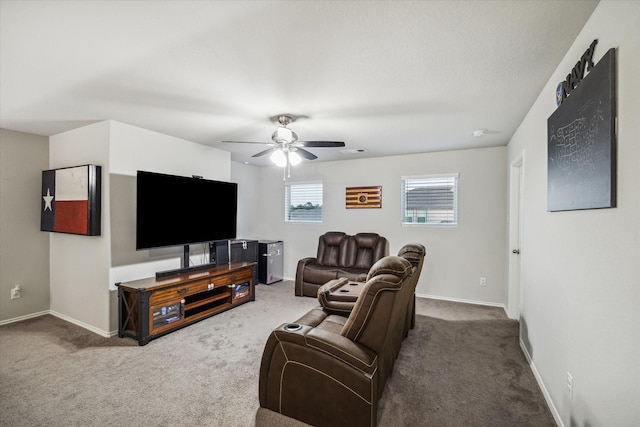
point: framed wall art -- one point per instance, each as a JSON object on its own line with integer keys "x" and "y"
{"x": 581, "y": 156}
{"x": 71, "y": 200}
{"x": 364, "y": 197}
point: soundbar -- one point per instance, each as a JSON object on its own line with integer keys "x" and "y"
{"x": 184, "y": 270}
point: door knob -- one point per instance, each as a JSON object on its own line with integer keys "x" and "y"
{"x": 516, "y": 251}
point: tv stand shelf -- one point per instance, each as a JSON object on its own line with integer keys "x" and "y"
{"x": 151, "y": 307}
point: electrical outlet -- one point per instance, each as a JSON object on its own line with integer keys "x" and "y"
{"x": 483, "y": 281}
{"x": 15, "y": 292}
{"x": 570, "y": 385}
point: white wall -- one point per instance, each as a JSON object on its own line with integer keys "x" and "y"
{"x": 456, "y": 256}
{"x": 24, "y": 249}
{"x": 85, "y": 269}
{"x": 249, "y": 208}
{"x": 80, "y": 264}
{"x": 580, "y": 268}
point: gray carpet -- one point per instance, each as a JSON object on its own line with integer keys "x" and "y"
{"x": 463, "y": 373}
{"x": 454, "y": 369}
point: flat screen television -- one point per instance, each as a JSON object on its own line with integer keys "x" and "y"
{"x": 174, "y": 210}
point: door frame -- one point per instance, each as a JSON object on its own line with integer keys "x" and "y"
{"x": 516, "y": 191}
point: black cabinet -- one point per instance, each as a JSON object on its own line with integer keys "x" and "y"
{"x": 239, "y": 250}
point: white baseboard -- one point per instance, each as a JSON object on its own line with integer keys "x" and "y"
{"x": 63, "y": 317}
{"x": 93, "y": 329}
{"x": 543, "y": 388}
{"x": 465, "y": 301}
{"x": 28, "y": 316}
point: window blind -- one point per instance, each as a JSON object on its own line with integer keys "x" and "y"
{"x": 303, "y": 202}
{"x": 430, "y": 199}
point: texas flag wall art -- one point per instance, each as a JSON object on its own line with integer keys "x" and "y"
{"x": 70, "y": 200}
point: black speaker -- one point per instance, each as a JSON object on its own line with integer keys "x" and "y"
{"x": 213, "y": 253}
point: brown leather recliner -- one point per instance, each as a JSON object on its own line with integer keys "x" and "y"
{"x": 339, "y": 255}
{"x": 333, "y": 300}
{"x": 330, "y": 370}
{"x": 414, "y": 253}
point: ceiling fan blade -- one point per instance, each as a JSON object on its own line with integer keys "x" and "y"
{"x": 322, "y": 143}
{"x": 267, "y": 151}
{"x": 249, "y": 142}
{"x": 306, "y": 154}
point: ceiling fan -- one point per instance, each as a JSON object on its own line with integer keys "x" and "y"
{"x": 286, "y": 150}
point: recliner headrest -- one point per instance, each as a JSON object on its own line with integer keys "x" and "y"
{"x": 414, "y": 252}
{"x": 366, "y": 240}
{"x": 333, "y": 238}
{"x": 391, "y": 264}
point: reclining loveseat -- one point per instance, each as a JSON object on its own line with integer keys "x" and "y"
{"x": 339, "y": 255}
{"x": 328, "y": 369}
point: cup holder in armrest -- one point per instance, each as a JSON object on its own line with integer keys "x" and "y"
{"x": 292, "y": 327}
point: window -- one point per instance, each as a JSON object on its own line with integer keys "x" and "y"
{"x": 430, "y": 199}
{"x": 303, "y": 202}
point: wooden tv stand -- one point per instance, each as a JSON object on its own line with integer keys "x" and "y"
{"x": 152, "y": 307}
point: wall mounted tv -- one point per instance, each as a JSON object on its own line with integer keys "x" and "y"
{"x": 174, "y": 210}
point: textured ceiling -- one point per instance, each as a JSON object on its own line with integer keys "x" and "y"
{"x": 390, "y": 77}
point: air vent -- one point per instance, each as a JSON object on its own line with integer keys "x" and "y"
{"x": 353, "y": 151}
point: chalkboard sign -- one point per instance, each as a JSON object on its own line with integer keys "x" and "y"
{"x": 581, "y": 156}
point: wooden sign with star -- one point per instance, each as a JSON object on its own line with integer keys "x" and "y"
{"x": 364, "y": 197}
{"x": 71, "y": 200}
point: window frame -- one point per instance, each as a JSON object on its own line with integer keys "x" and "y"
{"x": 287, "y": 203}
{"x": 424, "y": 214}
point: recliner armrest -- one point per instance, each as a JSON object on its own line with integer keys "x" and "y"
{"x": 319, "y": 377}
{"x": 343, "y": 349}
{"x": 308, "y": 260}
{"x": 340, "y": 348}
{"x": 336, "y": 303}
{"x": 298, "y": 285}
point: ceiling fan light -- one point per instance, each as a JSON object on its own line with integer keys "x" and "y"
{"x": 279, "y": 158}
{"x": 284, "y": 134}
{"x": 294, "y": 158}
